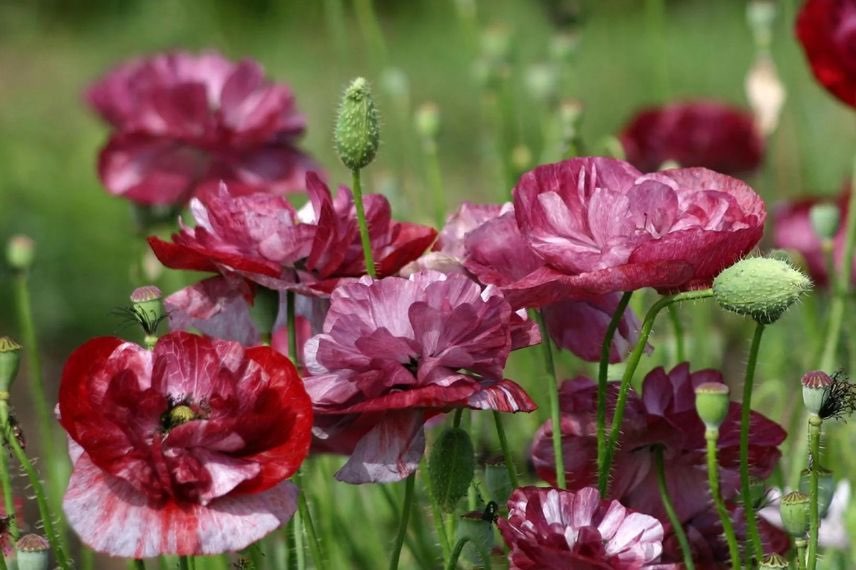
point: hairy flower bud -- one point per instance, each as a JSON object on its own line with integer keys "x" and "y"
{"x": 10, "y": 360}
{"x": 815, "y": 385}
{"x": 357, "y": 134}
{"x": 33, "y": 552}
{"x": 712, "y": 402}
{"x": 20, "y": 252}
{"x": 825, "y": 487}
{"x": 759, "y": 287}
{"x": 825, "y": 219}
{"x": 450, "y": 467}
{"x": 773, "y": 562}
{"x": 794, "y": 511}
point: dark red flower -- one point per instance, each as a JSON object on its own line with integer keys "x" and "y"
{"x": 694, "y": 133}
{"x": 396, "y": 351}
{"x": 184, "y": 449}
{"x": 551, "y": 529}
{"x": 600, "y": 226}
{"x": 827, "y": 31}
{"x": 183, "y": 121}
{"x": 664, "y": 415}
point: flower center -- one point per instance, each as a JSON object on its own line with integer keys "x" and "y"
{"x": 178, "y": 415}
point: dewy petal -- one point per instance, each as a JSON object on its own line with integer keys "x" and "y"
{"x": 390, "y": 452}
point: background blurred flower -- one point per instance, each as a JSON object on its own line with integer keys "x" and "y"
{"x": 181, "y": 450}
{"x": 827, "y": 31}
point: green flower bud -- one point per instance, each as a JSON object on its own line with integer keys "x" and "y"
{"x": 427, "y": 120}
{"x": 794, "y": 511}
{"x": 450, "y": 467}
{"x": 759, "y": 287}
{"x": 479, "y": 529}
{"x": 815, "y": 385}
{"x": 825, "y": 487}
{"x": 712, "y": 403}
{"x": 10, "y": 360}
{"x": 825, "y": 219}
{"x": 20, "y": 252}
{"x": 773, "y": 562}
{"x": 33, "y": 552}
{"x": 357, "y": 134}
{"x": 147, "y": 307}
{"x": 497, "y": 481}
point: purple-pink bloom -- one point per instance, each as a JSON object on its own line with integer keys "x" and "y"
{"x": 551, "y": 529}
{"x": 185, "y": 121}
{"x": 395, "y": 352}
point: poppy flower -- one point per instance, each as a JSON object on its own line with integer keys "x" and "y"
{"x": 395, "y": 352}
{"x": 663, "y": 415}
{"x": 184, "y": 449}
{"x": 694, "y": 133}
{"x": 183, "y": 121}
{"x": 264, "y": 239}
{"x": 827, "y": 31}
{"x": 551, "y": 529}
{"x": 600, "y": 226}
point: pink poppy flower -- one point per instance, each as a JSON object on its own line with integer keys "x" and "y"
{"x": 663, "y": 415}
{"x": 551, "y": 529}
{"x": 184, "y": 449}
{"x": 694, "y": 133}
{"x": 264, "y": 239}
{"x": 395, "y": 352}
{"x": 827, "y": 31}
{"x": 600, "y": 226}
{"x": 184, "y": 120}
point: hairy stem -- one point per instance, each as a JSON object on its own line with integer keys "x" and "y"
{"x": 553, "y": 395}
{"x": 361, "y": 221}
{"x": 814, "y": 430}
{"x": 677, "y": 526}
{"x": 405, "y": 518}
{"x": 712, "y": 435}
{"x": 745, "y": 415}
{"x": 680, "y": 351}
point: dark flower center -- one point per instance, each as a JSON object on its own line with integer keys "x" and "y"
{"x": 180, "y": 413}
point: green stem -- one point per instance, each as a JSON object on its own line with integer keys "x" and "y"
{"x": 435, "y": 180}
{"x": 184, "y": 563}
{"x": 409, "y": 486}
{"x": 309, "y": 526}
{"x": 291, "y": 544}
{"x": 800, "y": 545}
{"x": 439, "y": 522}
{"x": 605, "y": 466}
{"x": 456, "y": 419}
{"x": 361, "y": 220}
{"x": 656, "y": 14}
{"x": 745, "y": 415}
{"x": 139, "y": 564}
{"x": 506, "y": 451}
{"x": 602, "y": 372}
{"x": 712, "y": 435}
{"x": 459, "y": 548}
{"x": 299, "y": 548}
{"x": 680, "y": 351}
{"x": 553, "y": 395}
{"x": 814, "y": 430}
{"x": 677, "y": 526}
{"x": 6, "y": 479}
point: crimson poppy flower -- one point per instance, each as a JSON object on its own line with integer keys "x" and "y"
{"x": 264, "y": 239}
{"x": 664, "y": 415}
{"x": 600, "y": 226}
{"x": 395, "y": 352}
{"x": 551, "y": 529}
{"x": 183, "y": 121}
{"x": 827, "y": 31}
{"x": 694, "y": 133}
{"x": 184, "y": 449}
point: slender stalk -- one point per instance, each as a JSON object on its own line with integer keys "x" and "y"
{"x": 435, "y": 180}
{"x": 506, "y": 451}
{"x": 370, "y": 27}
{"x": 409, "y": 487}
{"x": 680, "y": 351}
{"x": 656, "y": 16}
{"x": 800, "y": 545}
{"x": 814, "y": 429}
{"x": 602, "y": 371}
{"x": 299, "y": 548}
{"x": 745, "y": 486}
{"x": 291, "y": 544}
{"x": 292, "y": 329}
{"x": 6, "y": 479}
{"x": 309, "y": 527}
{"x": 184, "y": 563}
{"x": 712, "y": 435}
{"x": 138, "y": 564}
{"x": 459, "y": 415}
{"x": 605, "y": 466}
{"x": 459, "y": 548}
{"x": 439, "y": 522}
{"x": 361, "y": 221}
{"x": 677, "y": 526}
{"x": 553, "y": 395}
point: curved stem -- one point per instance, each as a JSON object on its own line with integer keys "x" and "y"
{"x": 800, "y": 545}
{"x": 745, "y": 415}
{"x": 677, "y": 526}
{"x": 361, "y": 221}
{"x": 680, "y": 351}
{"x": 459, "y": 548}
{"x": 409, "y": 487}
{"x": 553, "y": 395}
{"x": 712, "y": 435}
{"x": 506, "y": 451}
{"x": 814, "y": 428}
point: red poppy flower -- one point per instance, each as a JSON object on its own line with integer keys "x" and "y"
{"x": 694, "y": 133}
{"x": 600, "y": 226}
{"x": 551, "y": 529}
{"x": 664, "y": 415}
{"x": 396, "y": 351}
{"x": 827, "y": 31}
{"x": 183, "y": 121}
{"x": 184, "y": 449}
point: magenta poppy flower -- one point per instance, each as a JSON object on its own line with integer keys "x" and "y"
{"x": 600, "y": 226}
{"x": 395, "y": 352}
{"x": 663, "y": 415}
{"x": 183, "y": 121}
{"x": 184, "y": 449}
{"x": 694, "y": 133}
{"x": 827, "y": 31}
{"x": 551, "y": 529}
{"x": 264, "y": 239}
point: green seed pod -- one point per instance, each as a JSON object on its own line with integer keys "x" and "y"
{"x": 825, "y": 487}
{"x": 10, "y": 360}
{"x": 33, "y": 552}
{"x": 712, "y": 403}
{"x": 479, "y": 529}
{"x": 794, "y": 511}
{"x": 825, "y": 219}
{"x": 20, "y": 252}
{"x": 773, "y": 562}
{"x": 815, "y": 385}
{"x": 450, "y": 467}
{"x": 147, "y": 305}
{"x": 497, "y": 481}
{"x": 357, "y": 134}
{"x": 759, "y": 287}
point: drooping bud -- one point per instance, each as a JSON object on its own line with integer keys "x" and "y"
{"x": 815, "y": 385}
{"x": 712, "y": 403}
{"x": 450, "y": 467}
{"x": 20, "y": 252}
{"x": 825, "y": 487}
{"x": 477, "y": 526}
{"x": 794, "y": 511}
{"x": 10, "y": 360}
{"x": 147, "y": 307}
{"x": 759, "y": 287}
{"x": 773, "y": 562}
{"x": 497, "y": 481}
{"x": 825, "y": 219}
{"x": 357, "y": 134}
{"x": 33, "y": 552}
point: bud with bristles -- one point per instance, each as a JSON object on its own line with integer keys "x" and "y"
{"x": 815, "y": 385}
{"x": 450, "y": 467}
{"x": 10, "y": 359}
{"x": 357, "y": 134}
{"x": 825, "y": 219}
{"x": 33, "y": 552}
{"x": 712, "y": 403}
{"x": 825, "y": 487}
{"x": 773, "y": 562}
{"x": 147, "y": 307}
{"x": 20, "y": 252}
{"x": 794, "y": 511}
{"x": 759, "y": 287}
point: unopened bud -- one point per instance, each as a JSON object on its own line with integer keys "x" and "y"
{"x": 20, "y": 252}
{"x": 815, "y": 385}
{"x": 10, "y": 360}
{"x": 773, "y": 562}
{"x": 357, "y": 134}
{"x": 794, "y": 511}
{"x": 825, "y": 487}
{"x": 450, "y": 467}
{"x": 33, "y": 552}
{"x": 147, "y": 305}
{"x": 825, "y": 219}
{"x": 712, "y": 403}
{"x": 759, "y": 287}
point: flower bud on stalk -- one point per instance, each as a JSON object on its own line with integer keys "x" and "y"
{"x": 10, "y": 360}
{"x": 794, "y": 511}
{"x": 759, "y": 287}
{"x": 148, "y": 310}
{"x": 33, "y": 552}
{"x": 825, "y": 487}
{"x": 450, "y": 467}
{"x": 815, "y": 387}
{"x": 357, "y": 134}
{"x": 712, "y": 403}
